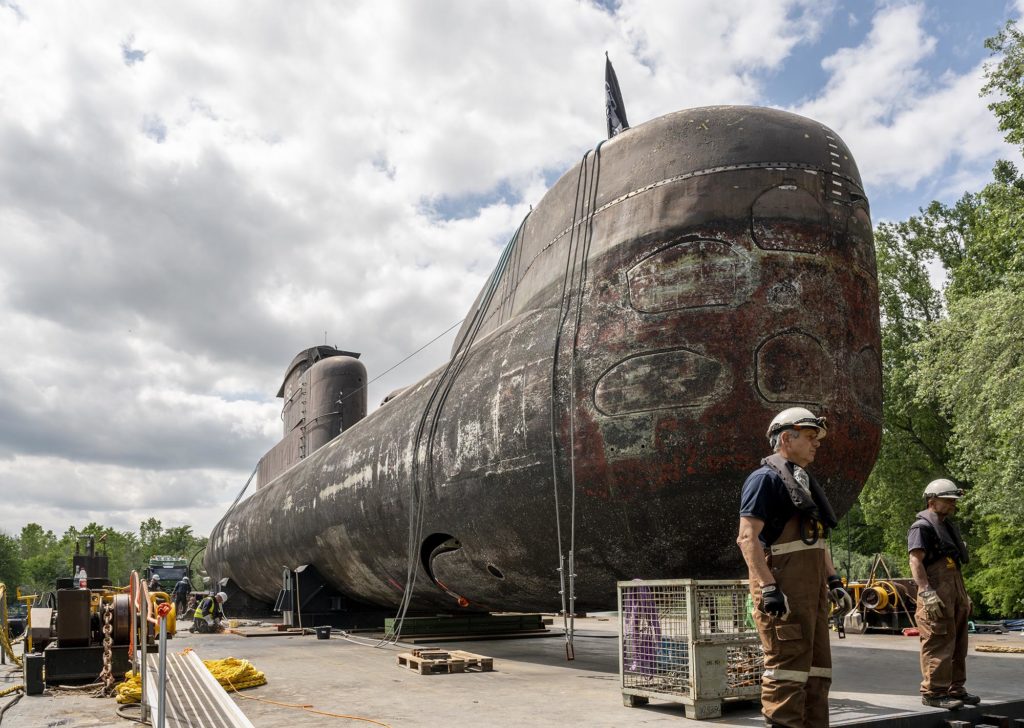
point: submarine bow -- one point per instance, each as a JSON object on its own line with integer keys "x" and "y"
{"x": 610, "y": 387}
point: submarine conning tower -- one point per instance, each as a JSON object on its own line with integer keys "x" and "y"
{"x": 324, "y": 393}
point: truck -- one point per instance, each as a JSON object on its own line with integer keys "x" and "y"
{"x": 169, "y": 569}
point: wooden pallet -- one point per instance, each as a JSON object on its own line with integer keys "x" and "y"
{"x": 694, "y": 709}
{"x": 432, "y": 662}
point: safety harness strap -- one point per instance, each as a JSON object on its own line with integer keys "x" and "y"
{"x": 814, "y": 503}
{"x": 792, "y": 546}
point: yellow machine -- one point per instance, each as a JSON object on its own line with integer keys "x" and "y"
{"x": 881, "y": 605}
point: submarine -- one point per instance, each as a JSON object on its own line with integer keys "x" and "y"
{"x": 607, "y": 393}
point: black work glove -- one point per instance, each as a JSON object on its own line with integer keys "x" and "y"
{"x": 773, "y": 601}
{"x": 838, "y": 594}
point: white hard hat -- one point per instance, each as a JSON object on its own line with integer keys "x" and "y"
{"x": 795, "y": 417}
{"x": 222, "y": 596}
{"x": 943, "y": 488}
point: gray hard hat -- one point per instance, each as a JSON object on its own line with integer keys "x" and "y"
{"x": 797, "y": 417}
{"x": 943, "y": 488}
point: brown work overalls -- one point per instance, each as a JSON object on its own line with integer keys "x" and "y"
{"x": 797, "y": 654}
{"x": 944, "y": 641}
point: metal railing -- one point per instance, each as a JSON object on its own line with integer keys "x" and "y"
{"x": 145, "y": 611}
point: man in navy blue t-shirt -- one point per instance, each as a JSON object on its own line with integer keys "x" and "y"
{"x": 784, "y": 518}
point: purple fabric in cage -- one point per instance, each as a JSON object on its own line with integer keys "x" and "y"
{"x": 642, "y": 630}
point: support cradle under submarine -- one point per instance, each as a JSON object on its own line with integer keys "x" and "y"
{"x": 608, "y": 391}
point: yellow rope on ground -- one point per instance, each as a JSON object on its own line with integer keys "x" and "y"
{"x": 999, "y": 648}
{"x": 236, "y": 674}
{"x": 233, "y": 674}
{"x": 229, "y": 672}
{"x": 129, "y": 691}
{"x": 13, "y": 689}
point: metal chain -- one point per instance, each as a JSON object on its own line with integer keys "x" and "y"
{"x": 106, "y": 674}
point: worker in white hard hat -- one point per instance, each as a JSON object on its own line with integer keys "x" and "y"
{"x": 784, "y": 520}
{"x": 209, "y": 614}
{"x": 181, "y": 592}
{"x": 937, "y": 554}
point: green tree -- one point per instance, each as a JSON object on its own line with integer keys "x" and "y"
{"x": 978, "y": 240}
{"x": 34, "y": 541}
{"x": 43, "y": 558}
{"x": 973, "y": 364}
{"x": 1000, "y": 556}
{"x": 1004, "y": 79}
{"x": 914, "y": 431}
{"x": 177, "y": 541}
{"x": 149, "y": 533}
{"x": 10, "y": 565}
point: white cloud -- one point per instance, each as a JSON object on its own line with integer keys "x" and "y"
{"x": 705, "y": 52}
{"x": 58, "y": 493}
{"x": 192, "y": 193}
{"x": 903, "y": 125}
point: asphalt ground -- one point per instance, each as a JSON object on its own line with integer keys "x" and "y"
{"x": 532, "y": 684}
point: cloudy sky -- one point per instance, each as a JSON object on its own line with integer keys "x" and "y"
{"x": 190, "y": 193}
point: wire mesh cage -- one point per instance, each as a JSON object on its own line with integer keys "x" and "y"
{"x": 688, "y": 641}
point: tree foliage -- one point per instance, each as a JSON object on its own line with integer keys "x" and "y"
{"x": 40, "y": 557}
{"x": 10, "y": 564}
{"x": 1000, "y": 553}
{"x": 914, "y": 431}
{"x": 1004, "y": 79}
{"x": 973, "y": 365}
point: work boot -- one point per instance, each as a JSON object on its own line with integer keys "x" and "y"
{"x": 966, "y": 698}
{"x": 946, "y": 702}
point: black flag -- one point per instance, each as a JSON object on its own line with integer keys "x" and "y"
{"x": 614, "y": 109}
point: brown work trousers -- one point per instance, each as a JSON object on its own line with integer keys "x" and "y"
{"x": 797, "y": 654}
{"x": 944, "y": 641}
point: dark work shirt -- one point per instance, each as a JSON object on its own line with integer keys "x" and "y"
{"x": 922, "y": 536}
{"x": 918, "y": 539}
{"x": 765, "y": 497}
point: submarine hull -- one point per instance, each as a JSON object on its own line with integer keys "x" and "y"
{"x": 611, "y": 387}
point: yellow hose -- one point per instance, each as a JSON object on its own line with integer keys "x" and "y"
{"x": 895, "y": 593}
{"x": 5, "y": 641}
